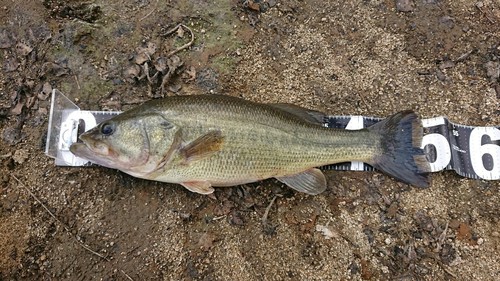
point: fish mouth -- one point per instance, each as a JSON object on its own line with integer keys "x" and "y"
{"x": 81, "y": 150}
{"x": 84, "y": 150}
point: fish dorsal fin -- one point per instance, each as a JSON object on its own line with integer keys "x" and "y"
{"x": 201, "y": 187}
{"x": 311, "y": 181}
{"x": 202, "y": 147}
{"x": 311, "y": 116}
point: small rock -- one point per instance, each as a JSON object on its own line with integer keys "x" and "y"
{"x": 132, "y": 72}
{"x": 404, "y": 5}
{"x": 174, "y": 63}
{"x": 446, "y": 64}
{"x": 47, "y": 88}
{"x": 18, "y": 109}
{"x": 5, "y": 40}
{"x": 440, "y": 75}
{"x": 54, "y": 68}
{"x": 253, "y": 5}
{"x": 161, "y": 64}
{"x": 11, "y": 136}
{"x": 447, "y": 21}
{"x": 42, "y": 111}
{"x": 9, "y": 200}
{"x": 141, "y": 58}
{"x": 207, "y": 79}
{"x": 46, "y": 91}
{"x": 206, "y": 241}
{"x": 454, "y": 224}
{"x": 11, "y": 64}
{"x": 23, "y": 49}
{"x": 20, "y": 156}
{"x": 180, "y": 32}
{"x": 325, "y": 231}
{"x": 492, "y": 70}
{"x": 174, "y": 88}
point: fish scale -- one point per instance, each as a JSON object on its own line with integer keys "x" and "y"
{"x": 266, "y": 141}
{"x": 212, "y": 140}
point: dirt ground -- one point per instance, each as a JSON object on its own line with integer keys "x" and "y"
{"x": 438, "y": 57}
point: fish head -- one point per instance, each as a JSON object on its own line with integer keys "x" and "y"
{"x": 131, "y": 143}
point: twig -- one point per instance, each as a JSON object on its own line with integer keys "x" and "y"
{"x": 147, "y": 15}
{"x": 362, "y": 97}
{"x": 126, "y": 275}
{"x": 441, "y": 238}
{"x": 77, "y": 82}
{"x": 446, "y": 269}
{"x": 64, "y": 225}
{"x": 183, "y": 46}
{"x": 268, "y": 208}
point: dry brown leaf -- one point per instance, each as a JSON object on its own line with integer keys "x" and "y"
{"x": 17, "y": 109}
{"x": 206, "y": 241}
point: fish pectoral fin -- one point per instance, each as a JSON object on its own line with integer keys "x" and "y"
{"x": 201, "y": 187}
{"x": 311, "y": 181}
{"x": 202, "y": 147}
{"x": 309, "y": 115}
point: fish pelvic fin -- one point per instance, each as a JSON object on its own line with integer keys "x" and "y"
{"x": 402, "y": 157}
{"x": 311, "y": 181}
{"x": 201, "y": 187}
{"x": 202, "y": 147}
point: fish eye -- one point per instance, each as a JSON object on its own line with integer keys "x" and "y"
{"x": 107, "y": 128}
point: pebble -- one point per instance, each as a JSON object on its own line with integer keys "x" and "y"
{"x": 20, "y": 156}
{"x": 404, "y": 5}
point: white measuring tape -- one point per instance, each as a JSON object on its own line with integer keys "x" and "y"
{"x": 473, "y": 152}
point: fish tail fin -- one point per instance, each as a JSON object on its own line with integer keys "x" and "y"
{"x": 402, "y": 157}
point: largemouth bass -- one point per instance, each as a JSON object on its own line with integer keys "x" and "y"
{"x": 201, "y": 141}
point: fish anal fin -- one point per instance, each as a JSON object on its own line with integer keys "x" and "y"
{"x": 201, "y": 187}
{"x": 311, "y": 181}
{"x": 202, "y": 147}
{"x": 309, "y": 115}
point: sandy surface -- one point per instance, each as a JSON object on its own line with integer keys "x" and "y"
{"x": 358, "y": 57}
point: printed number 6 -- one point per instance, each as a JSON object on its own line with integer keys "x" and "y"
{"x": 493, "y": 150}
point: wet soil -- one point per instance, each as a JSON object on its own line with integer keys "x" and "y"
{"x": 373, "y": 58}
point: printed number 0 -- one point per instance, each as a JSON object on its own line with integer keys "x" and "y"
{"x": 493, "y": 150}
{"x": 356, "y": 123}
